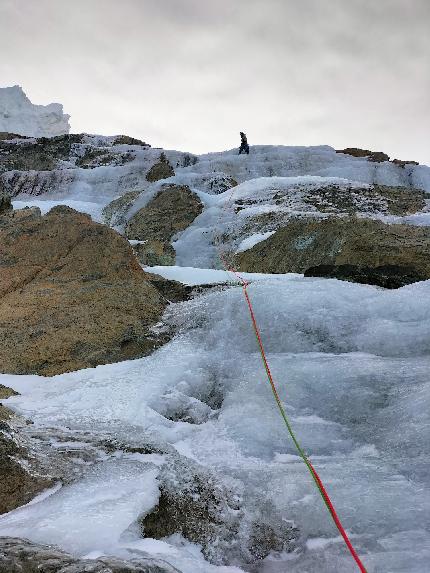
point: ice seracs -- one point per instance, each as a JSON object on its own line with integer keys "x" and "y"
{"x": 18, "y": 115}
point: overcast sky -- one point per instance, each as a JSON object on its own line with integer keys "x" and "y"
{"x": 190, "y": 74}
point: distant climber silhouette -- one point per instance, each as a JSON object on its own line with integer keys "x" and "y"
{"x": 244, "y": 147}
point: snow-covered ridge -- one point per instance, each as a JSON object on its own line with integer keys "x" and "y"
{"x": 19, "y": 115}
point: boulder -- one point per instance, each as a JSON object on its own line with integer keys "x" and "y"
{"x": 153, "y": 253}
{"x": 23, "y": 556}
{"x": 160, "y": 170}
{"x": 114, "y": 214}
{"x": 208, "y": 510}
{"x": 360, "y": 250}
{"x": 221, "y": 182}
{"x": 72, "y": 294}
{"x": 172, "y": 210}
{"x": 6, "y": 392}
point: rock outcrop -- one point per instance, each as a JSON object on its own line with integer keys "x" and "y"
{"x": 5, "y": 202}
{"x": 115, "y": 213}
{"x": 152, "y": 253}
{"x": 72, "y": 294}
{"x": 19, "y": 479}
{"x": 221, "y": 182}
{"x": 361, "y": 250}
{"x": 172, "y": 210}
{"x": 206, "y": 510}
{"x": 402, "y": 163}
{"x": 6, "y": 136}
{"x": 23, "y": 556}
{"x": 127, "y": 140}
{"x": 160, "y": 170}
{"x": 42, "y": 154}
{"x": 376, "y": 156}
{"x": 372, "y": 199}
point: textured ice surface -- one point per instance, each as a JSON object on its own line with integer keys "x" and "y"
{"x": 268, "y": 165}
{"x": 351, "y": 362}
{"x": 18, "y": 115}
{"x": 195, "y": 276}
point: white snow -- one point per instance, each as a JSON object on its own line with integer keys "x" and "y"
{"x": 253, "y": 240}
{"x": 351, "y": 363}
{"x": 91, "y": 208}
{"x": 18, "y": 115}
{"x": 196, "y": 276}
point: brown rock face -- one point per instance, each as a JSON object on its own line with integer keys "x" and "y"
{"x": 172, "y": 210}
{"x": 72, "y": 294}
{"x": 402, "y": 163}
{"x": 18, "y": 484}
{"x": 152, "y": 253}
{"x": 5, "y": 202}
{"x": 360, "y": 250}
{"x": 376, "y": 156}
{"x": 160, "y": 170}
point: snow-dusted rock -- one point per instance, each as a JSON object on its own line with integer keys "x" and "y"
{"x": 22, "y": 556}
{"x": 172, "y": 210}
{"x": 359, "y": 250}
{"x": 19, "y": 115}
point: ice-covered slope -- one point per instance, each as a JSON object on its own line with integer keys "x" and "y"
{"x": 351, "y": 362}
{"x": 70, "y": 184}
{"x": 18, "y": 115}
{"x": 283, "y": 161}
{"x": 204, "y": 172}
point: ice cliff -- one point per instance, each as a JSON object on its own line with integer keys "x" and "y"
{"x": 19, "y": 115}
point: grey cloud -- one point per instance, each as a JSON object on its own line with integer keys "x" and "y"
{"x": 191, "y": 73}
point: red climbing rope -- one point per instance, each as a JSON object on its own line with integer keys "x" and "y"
{"x": 304, "y": 457}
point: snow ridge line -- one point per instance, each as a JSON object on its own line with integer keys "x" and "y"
{"x": 320, "y": 486}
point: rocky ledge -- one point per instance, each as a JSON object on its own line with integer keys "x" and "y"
{"x": 349, "y": 248}
{"x": 23, "y": 556}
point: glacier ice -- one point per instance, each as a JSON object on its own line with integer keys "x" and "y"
{"x": 18, "y": 115}
{"x": 351, "y": 363}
